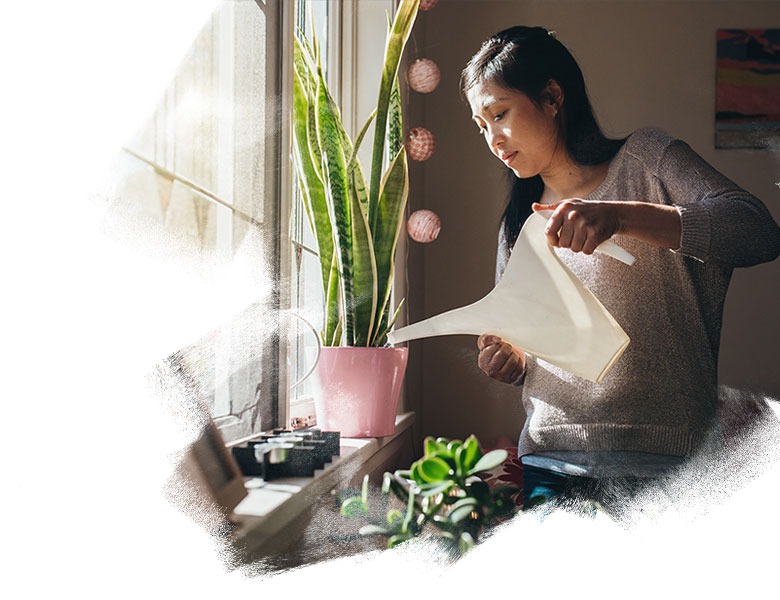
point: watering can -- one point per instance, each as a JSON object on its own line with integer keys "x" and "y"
{"x": 541, "y": 307}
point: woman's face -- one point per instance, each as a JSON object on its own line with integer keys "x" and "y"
{"x": 521, "y": 134}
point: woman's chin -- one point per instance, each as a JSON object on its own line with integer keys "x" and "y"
{"x": 521, "y": 173}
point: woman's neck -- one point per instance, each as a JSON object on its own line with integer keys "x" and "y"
{"x": 567, "y": 179}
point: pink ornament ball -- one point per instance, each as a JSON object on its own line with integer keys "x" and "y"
{"x": 423, "y": 226}
{"x": 428, "y": 4}
{"x": 421, "y": 144}
{"x": 423, "y": 75}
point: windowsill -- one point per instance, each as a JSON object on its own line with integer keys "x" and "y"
{"x": 270, "y": 506}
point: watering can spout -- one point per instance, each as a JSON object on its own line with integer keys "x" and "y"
{"x": 539, "y": 306}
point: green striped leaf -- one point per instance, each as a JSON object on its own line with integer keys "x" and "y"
{"x": 332, "y": 321}
{"x": 354, "y": 165}
{"x": 335, "y": 171}
{"x": 364, "y": 263}
{"x": 312, "y": 188}
{"x": 392, "y": 203}
{"x": 396, "y": 40}
{"x": 394, "y": 121}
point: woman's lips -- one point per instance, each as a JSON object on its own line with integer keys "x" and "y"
{"x": 509, "y": 158}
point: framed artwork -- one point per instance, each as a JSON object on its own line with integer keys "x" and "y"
{"x": 747, "y": 107}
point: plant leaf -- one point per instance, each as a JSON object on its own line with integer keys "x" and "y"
{"x": 466, "y": 542}
{"x": 353, "y": 507}
{"x": 462, "y": 512}
{"x": 433, "y": 469}
{"x": 382, "y": 337}
{"x": 339, "y": 209}
{"x": 374, "y": 530}
{"x": 312, "y": 188}
{"x": 409, "y": 513}
{"x": 397, "y": 539}
{"x": 490, "y": 461}
{"x": 364, "y": 490}
{"x": 364, "y": 270}
{"x": 387, "y": 227}
{"x": 396, "y": 40}
{"x": 453, "y": 446}
{"x": 394, "y": 121}
{"x": 332, "y": 319}
{"x": 433, "y": 488}
{"x": 467, "y": 501}
{"x": 415, "y": 472}
{"x": 472, "y": 453}
{"x": 395, "y": 518}
{"x": 354, "y": 166}
{"x": 430, "y": 446}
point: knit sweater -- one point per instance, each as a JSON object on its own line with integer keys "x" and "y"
{"x": 661, "y": 395}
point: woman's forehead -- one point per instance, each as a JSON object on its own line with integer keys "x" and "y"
{"x": 486, "y": 93}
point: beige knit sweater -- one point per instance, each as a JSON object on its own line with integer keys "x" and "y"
{"x": 660, "y": 397}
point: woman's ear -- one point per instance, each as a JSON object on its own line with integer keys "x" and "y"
{"x": 553, "y": 94}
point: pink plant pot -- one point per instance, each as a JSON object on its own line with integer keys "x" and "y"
{"x": 356, "y": 389}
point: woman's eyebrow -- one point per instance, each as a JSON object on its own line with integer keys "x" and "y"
{"x": 488, "y": 103}
{"x": 492, "y": 101}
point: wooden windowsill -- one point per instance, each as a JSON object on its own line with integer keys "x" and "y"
{"x": 272, "y": 506}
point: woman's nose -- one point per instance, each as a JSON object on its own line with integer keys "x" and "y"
{"x": 494, "y": 140}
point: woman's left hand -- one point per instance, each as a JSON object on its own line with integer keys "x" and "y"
{"x": 580, "y": 225}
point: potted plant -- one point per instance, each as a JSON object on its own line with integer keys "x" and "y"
{"x": 356, "y": 223}
{"x": 441, "y": 496}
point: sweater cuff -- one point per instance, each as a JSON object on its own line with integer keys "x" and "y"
{"x": 695, "y": 224}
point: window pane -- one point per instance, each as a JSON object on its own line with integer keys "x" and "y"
{"x": 307, "y": 293}
{"x": 202, "y": 173}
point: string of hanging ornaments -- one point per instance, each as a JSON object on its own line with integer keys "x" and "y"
{"x": 423, "y": 76}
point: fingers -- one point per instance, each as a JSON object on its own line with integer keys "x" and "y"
{"x": 511, "y": 370}
{"x": 502, "y": 361}
{"x": 580, "y": 225}
{"x": 486, "y": 339}
{"x": 486, "y": 356}
{"x": 554, "y": 224}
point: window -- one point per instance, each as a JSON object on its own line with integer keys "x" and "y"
{"x": 207, "y": 173}
{"x": 306, "y": 297}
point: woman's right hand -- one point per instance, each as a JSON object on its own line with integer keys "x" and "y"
{"x": 499, "y": 359}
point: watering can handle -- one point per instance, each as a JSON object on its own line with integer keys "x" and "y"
{"x": 610, "y": 248}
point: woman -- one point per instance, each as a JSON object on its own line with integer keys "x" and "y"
{"x": 687, "y": 225}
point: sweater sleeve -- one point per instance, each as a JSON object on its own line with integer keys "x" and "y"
{"x": 720, "y": 221}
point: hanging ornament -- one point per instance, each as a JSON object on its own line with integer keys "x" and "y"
{"x": 423, "y": 226}
{"x": 428, "y": 4}
{"x": 421, "y": 144}
{"x": 423, "y": 75}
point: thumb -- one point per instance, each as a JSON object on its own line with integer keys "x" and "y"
{"x": 536, "y": 207}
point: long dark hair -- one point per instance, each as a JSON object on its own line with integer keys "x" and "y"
{"x": 527, "y": 59}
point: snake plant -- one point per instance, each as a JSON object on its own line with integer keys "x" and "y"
{"x": 355, "y": 221}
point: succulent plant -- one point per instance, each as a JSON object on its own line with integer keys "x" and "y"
{"x": 442, "y": 494}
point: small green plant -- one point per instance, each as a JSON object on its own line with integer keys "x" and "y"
{"x": 441, "y": 495}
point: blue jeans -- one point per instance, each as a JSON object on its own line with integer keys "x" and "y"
{"x": 558, "y": 489}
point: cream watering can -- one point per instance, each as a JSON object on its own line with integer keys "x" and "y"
{"x": 540, "y": 306}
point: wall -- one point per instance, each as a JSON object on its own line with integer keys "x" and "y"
{"x": 647, "y": 64}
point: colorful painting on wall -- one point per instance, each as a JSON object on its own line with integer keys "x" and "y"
{"x": 748, "y": 89}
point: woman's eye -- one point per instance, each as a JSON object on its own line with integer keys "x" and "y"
{"x": 498, "y": 116}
